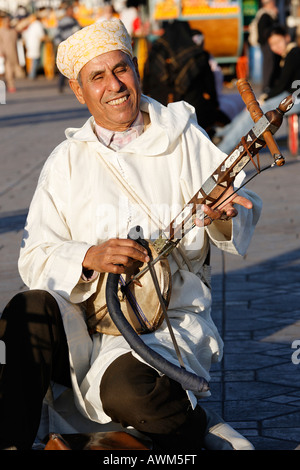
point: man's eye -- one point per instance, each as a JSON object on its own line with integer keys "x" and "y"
{"x": 121, "y": 70}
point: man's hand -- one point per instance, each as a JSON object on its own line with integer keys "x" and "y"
{"x": 116, "y": 256}
{"x": 225, "y": 209}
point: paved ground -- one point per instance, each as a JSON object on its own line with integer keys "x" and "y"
{"x": 256, "y": 298}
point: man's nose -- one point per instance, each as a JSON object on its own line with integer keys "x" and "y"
{"x": 113, "y": 83}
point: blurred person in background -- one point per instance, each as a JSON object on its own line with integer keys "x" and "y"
{"x": 180, "y": 70}
{"x": 287, "y": 82}
{"x": 130, "y": 17}
{"x": 33, "y": 37}
{"x": 67, "y": 26}
{"x": 8, "y": 50}
{"x": 267, "y": 17}
{"x": 230, "y": 103}
{"x": 108, "y": 13}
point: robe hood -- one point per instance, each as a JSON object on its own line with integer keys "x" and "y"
{"x": 167, "y": 124}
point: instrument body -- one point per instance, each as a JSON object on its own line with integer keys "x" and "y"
{"x": 139, "y": 304}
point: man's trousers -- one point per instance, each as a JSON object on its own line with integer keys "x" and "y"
{"x": 131, "y": 392}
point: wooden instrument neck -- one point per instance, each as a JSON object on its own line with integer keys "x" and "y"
{"x": 260, "y": 136}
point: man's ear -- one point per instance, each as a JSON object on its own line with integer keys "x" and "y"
{"x": 76, "y": 88}
{"x": 136, "y": 66}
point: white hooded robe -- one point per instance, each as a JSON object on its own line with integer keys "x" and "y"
{"x": 78, "y": 203}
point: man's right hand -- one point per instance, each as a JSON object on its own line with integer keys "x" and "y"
{"x": 116, "y": 256}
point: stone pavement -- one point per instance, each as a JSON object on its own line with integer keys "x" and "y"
{"x": 256, "y": 304}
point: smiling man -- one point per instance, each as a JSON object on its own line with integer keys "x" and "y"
{"x": 134, "y": 162}
{"x": 111, "y": 92}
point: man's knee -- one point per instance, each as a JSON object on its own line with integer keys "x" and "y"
{"x": 35, "y": 300}
{"x": 31, "y": 303}
{"x": 127, "y": 377}
{"x": 134, "y": 394}
{"x": 32, "y": 313}
{"x": 32, "y": 329}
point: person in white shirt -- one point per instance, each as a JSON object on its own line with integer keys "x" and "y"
{"x": 131, "y": 149}
{"x": 33, "y": 37}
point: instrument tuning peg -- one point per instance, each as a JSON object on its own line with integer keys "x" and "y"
{"x": 279, "y": 159}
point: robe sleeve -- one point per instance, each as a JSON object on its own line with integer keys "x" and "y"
{"x": 49, "y": 258}
{"x": 235, "y": 236}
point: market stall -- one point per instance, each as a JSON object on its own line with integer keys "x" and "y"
{"x": 221, "y": 22}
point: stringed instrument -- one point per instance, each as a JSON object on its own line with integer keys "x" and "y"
{"x": 140, "y": 305}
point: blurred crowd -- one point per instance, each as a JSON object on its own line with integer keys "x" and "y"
{"x": 29, "y": 40}
{"x": 175, "y": 65}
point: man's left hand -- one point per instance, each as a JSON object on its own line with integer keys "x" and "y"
{"x": 223, "y": 210}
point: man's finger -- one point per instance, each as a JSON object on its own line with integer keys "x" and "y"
{"x": 242, "y": 201}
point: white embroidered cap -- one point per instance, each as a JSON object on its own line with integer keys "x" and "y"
{"x": 89, "y": 42}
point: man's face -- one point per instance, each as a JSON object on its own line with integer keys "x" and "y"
{"x": 278, "y": 43}
{"x": 110, "y": 87}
